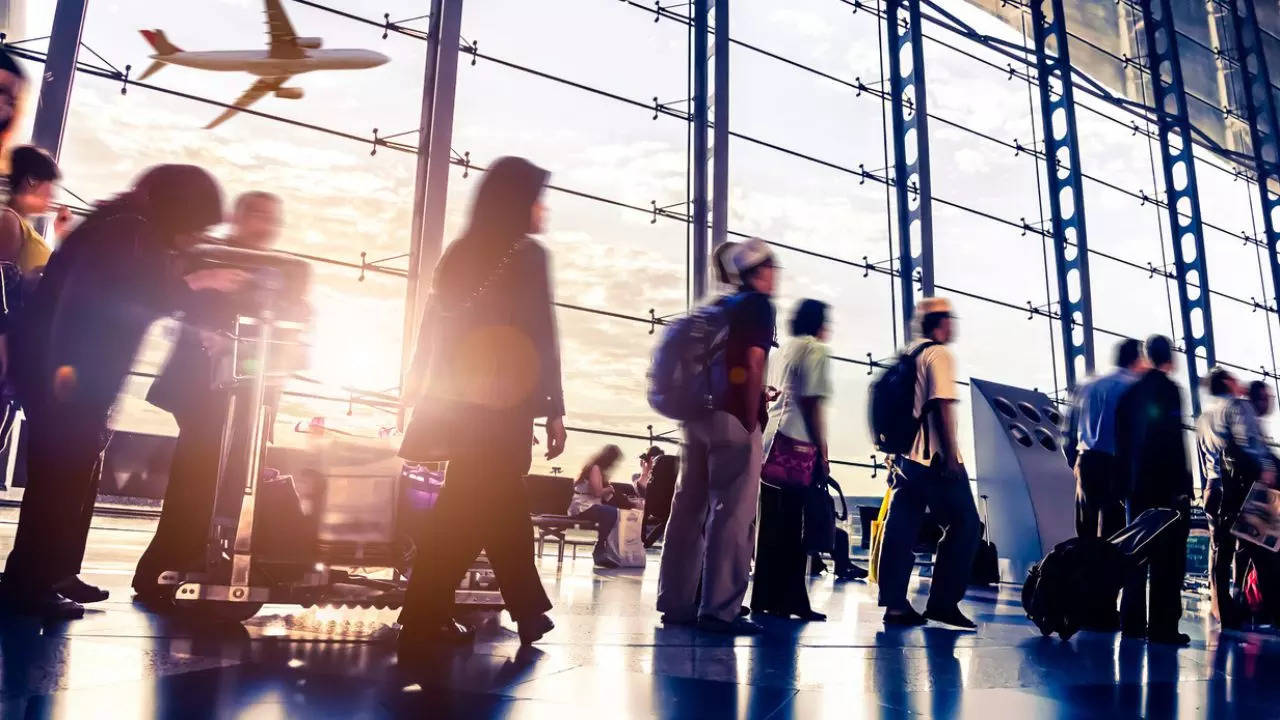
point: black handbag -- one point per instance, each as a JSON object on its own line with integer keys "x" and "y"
{"x": 820, "y": 515}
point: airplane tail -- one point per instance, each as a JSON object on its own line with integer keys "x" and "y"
{"x": 158, "y": 41}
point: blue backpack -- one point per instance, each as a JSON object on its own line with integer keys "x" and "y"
{"x": 688, "y": 370}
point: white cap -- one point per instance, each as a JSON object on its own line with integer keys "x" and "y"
{"x": 751, "y": 254}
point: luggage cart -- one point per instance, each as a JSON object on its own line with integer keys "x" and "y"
{"x": 239, "y": 574}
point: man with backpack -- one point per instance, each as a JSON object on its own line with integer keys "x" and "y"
{"x": 913, "y": 416}
{"x": 709, "y": 373}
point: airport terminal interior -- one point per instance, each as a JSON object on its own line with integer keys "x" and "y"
{"x": 1067, "y": 173}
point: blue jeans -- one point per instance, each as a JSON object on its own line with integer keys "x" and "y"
{"x": 605, "y": 517}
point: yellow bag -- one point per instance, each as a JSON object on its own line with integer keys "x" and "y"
{"x": 877, "y": 533}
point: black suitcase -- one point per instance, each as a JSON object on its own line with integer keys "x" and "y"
{"x": 1080, "y": 579}
{"x": 986, "y": 561}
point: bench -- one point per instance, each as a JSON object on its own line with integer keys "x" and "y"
{"x": 549, "y": 498}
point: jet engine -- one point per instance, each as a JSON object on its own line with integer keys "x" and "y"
{"x": 310, "y": 43}
{"x": 289, "y": 93}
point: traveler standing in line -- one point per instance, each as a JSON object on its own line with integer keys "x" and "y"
{"x": 710, "y": 533}
{"x": 103, "y": 287}
{"x": 797, "y": 424}
{"x": 1232, "y": 457}
{"x": 185, "y": 388}
{"x": 932, "y": 476}
{"x": 1100, "y": 477}
{"x": 591, "y": 495}
{"x": 1153, "y": 452}
{"x": 32, "y": 174}
{"x": 1262, "y": 399}
{"x": 487, "y": 365}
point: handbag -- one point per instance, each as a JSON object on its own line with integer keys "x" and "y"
{"x": 790, "y": 463}
{"x": 877, "y": 536}
{"x": 820, "y": 516}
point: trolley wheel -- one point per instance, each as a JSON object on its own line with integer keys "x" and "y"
{"x": 219, "y": 611}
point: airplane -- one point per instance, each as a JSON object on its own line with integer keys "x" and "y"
{"x": 287, "y": 55}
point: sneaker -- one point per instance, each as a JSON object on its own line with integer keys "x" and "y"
{"x": 903, "y": 617}
{"x": 533, "y": 629}
{"x": 738, "y": 626}
{"x": 851, "y": 573}
{"x": 951, "y": 616}
{"x": 605, "y": 563}
{"x": 77, "y": 590}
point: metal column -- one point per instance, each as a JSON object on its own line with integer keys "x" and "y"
{"x": 910, "y": 152}
{"x": 720, "y": 125}
{"x": 431, "y": 184}
{"x": 59, "y": 74}
{"x": 1263, "y": 125}
{"x": 1066, "y": 187}
{"x": 698, "y": 215}
{"x": 1185, "y": 228}
{"x": 709, "y": 64}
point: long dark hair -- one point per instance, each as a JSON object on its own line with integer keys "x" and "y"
{"x": 608, "y": 456}
{"x": 173, "y": 199}
{"x": 500, "y": 216}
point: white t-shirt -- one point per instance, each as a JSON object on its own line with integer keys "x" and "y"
{"x": 935, "y": 380}
{"x": 802, "y": 369}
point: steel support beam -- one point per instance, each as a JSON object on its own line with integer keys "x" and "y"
{"x": 1183, "y": 201}
{"x": 1066, "y": 186}
{"x": 699, "y": 215}
{"x": 720, "y": 124}
{"x": 59, "y": 75}
{"x": 431, "y": 183}
{"x": 910, "y": 152}
{"x": 1264, "y": 125}
{"x": 709, "y": 64}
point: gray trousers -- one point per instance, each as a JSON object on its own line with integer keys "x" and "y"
{"x": 711, "y": 532}
{"x": 916, "y": 487}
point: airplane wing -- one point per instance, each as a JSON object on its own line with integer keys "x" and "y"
{"x": 283, "y": 40}
{"x": 255, "y": 93}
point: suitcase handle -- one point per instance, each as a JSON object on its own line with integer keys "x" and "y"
{"x": 986, "y": 520}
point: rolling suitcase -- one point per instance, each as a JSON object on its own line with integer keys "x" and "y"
{"x": 1081, "y": 578}
{"x": 986, "y": 561}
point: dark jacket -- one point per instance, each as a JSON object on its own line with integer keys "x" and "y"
{"x": 494, "y": 358}
{"x": 104, "y": 286}
{"x": 1151, "y": 442}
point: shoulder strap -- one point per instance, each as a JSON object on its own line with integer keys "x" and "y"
{"x": 924, "y": 408}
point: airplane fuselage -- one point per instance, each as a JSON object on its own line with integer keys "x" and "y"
{"x": 260, "y": 62}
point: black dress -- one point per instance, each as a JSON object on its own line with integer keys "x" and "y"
{"x": 779, "y": 585}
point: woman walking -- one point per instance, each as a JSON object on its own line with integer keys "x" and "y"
{"x": 795, "y": 436}
{"x": 487, "y": 365}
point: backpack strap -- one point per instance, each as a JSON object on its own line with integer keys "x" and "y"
{"x": 924, "y": 407}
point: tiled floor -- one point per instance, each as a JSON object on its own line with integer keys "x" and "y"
{"x": 610, "y": 659}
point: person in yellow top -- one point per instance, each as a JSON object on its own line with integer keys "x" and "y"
{"x": 32, "y": 174}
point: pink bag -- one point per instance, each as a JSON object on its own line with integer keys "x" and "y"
{"x": 790, "y": 463}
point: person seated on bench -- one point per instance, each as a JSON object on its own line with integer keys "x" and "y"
{"x": 591, "y": 495}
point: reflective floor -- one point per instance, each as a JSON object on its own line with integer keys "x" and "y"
{"x": 609, "y": 659}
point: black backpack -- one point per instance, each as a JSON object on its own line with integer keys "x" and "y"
{"x": 893, "y": 419}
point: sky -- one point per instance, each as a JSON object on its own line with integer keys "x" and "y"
{"x": 340, "y": 200}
